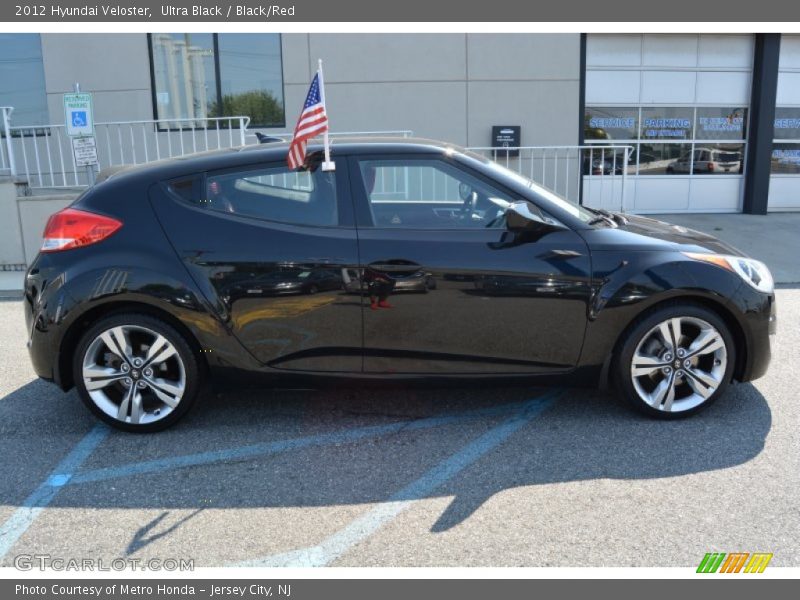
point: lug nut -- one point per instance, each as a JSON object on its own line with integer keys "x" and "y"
{"x": 128, "y": 381}
{"x": 687, "y": 363}
{"x": 140, "y": 384}
{"x": 125, "y": 367}
{"x": 668, "y": 356}
{"x": 681, "y": 352}
{"x": 666, "y": 370}
{"x": 148, "y": 372}
{"x": 137, "y": 362}
{"x": 678, "y": 373}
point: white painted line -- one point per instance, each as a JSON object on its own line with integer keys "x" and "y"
{"x": 18, "y": 523}
{"x": 266, "y": 448}
{"x": 366, "y": 525}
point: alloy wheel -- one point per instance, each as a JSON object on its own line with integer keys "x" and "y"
{"x": 679, "y": 364}
{"x": 134, "y": 374}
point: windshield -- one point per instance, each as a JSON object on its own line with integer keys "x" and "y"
{"x": 579, "y": 212}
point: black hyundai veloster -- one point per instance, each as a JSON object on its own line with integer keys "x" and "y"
{"x": 229, "y": 263}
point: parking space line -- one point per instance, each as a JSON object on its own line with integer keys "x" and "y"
{"x": 267, "y": 448}
{"x": 366, "y": 525}
{"x": 18, "y": 523}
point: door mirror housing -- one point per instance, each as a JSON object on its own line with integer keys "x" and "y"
{"x": 521, "y": 219}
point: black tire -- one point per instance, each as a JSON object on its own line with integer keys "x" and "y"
{"x": 640, "y": 328}
{"x": 192, "y": 373}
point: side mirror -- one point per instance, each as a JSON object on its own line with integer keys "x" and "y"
{"x": 520, "y": 219}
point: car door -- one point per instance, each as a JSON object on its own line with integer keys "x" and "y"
{"x": 252, "y": 237}
{"x": 490, "y": 303}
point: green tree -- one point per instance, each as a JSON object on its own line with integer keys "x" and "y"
{"x": 260, "y": 105}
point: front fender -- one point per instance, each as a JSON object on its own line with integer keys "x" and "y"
{"x": 625, "y": 288}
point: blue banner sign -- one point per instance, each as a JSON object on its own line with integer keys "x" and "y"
{"x": 787, "y": 123}
{"x": 666, "y": 128}
{"x": 612, "y": 122}
{"x": 786, "y": 156}
{"x": 734, "y": 124}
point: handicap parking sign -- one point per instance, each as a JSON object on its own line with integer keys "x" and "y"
{"x": 78, "y": 118}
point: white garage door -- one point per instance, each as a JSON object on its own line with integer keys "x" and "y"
{"x": 682, "y": 102}
{"x": 784, "y": 186}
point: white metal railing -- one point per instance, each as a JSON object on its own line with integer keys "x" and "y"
{"x": 43, "y": 153}
{"x": 597, "y": 175}
{"x": 7, "y": 166}
{"x": 593, "y": 175}
{"x": 287, "y": 136}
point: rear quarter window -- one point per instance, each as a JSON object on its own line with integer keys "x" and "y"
{"x": 188, "y": 188}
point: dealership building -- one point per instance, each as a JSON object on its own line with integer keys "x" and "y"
{"x": 706, "y": 122}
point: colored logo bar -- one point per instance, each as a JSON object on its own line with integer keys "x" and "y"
{"x": 734, "y": 562}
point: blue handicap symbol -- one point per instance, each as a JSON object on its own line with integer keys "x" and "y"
{"x": 79, "y": 118}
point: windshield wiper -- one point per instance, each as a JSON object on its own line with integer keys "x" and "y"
{"x": 603, "y": 219}
{"x": 615, "y": 217}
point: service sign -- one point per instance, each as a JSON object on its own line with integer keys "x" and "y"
{"x": 78, "y": 117}
{"x": 506, "y": 136}
{"x": 84, "y": 149}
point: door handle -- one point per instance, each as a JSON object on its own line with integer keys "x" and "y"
{"x": 559, "y": 255}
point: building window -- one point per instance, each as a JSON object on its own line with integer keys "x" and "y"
{"x": 670, "y": 140}
{"x": 198, "y": 76}
{"x": 786, "y": 142}
{"x": 610, "y": 123}
{"x": 22, "y": 78}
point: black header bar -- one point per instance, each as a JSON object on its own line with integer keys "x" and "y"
{"x": 337, "y": 11}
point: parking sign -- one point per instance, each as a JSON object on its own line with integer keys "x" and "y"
{"x": 84, "y": 149}
{"x": 78, "y": 114}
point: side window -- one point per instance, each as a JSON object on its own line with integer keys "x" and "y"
{"x": 274, "y": 193}
{"x": 429, "y": 194}
{"x": 189, "y": 188}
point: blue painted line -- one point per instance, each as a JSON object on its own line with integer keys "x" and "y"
{"x": 18, "y": 523}
{"x": 366, "y": 525}
{"x": 267, "y": 448}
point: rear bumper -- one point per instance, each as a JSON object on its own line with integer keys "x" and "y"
{"x": 40, "y": 322}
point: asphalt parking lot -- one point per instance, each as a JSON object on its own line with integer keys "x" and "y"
{"x": 404, "y": 476}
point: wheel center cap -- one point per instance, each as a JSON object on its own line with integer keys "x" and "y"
{"x": 677, "y": 364}
{"x": 135, "y": 374}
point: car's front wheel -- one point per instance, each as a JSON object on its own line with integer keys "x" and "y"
{"x": 136, "y": 372}
{"x": 675, "y": 361}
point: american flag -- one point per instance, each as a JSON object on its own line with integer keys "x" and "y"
{"x": 313, "y": 121}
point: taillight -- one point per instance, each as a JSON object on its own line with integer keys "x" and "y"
{"x": 73, "y": 228}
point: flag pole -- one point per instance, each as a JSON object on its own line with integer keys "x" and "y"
{"x": 328, "y": 165}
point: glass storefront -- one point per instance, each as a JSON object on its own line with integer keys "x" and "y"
{"x": 673, "y": 140}
{"x": 786, "y": 142}
{"x": 22, "y": 82}
{"x": 201, "y": 75}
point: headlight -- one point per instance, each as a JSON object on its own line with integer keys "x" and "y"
{"x": 752, "y": 271}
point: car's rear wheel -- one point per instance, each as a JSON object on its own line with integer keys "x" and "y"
{"x": 675, "y": 361}
{"x": 136, "y": 372}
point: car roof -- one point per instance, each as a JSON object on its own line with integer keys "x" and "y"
{"x": 268, "y": 152}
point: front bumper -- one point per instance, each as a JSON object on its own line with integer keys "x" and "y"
{"x": 758, "y": 320}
